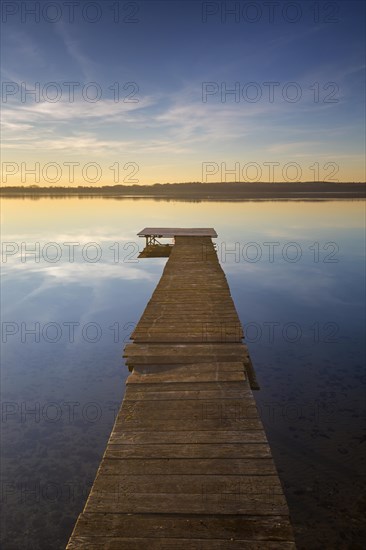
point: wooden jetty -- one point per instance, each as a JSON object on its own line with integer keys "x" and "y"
{"x": 187, "y": 465}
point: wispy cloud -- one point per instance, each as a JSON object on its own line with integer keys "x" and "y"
{"x": 85, "y": 65}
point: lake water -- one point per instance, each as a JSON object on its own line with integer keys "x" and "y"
{"x": 72, "y": 294}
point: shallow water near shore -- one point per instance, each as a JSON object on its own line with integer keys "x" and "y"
{"x": 75, "y": 289}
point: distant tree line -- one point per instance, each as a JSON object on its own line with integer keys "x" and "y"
{"x": 227, "y": 190}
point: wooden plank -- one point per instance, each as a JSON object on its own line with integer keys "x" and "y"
{"x": 205, "y": 527}
{"x": 192, "y": 368}
{"x": 173, "y": 377}
{"x": 194, "y": 325}
{"x": 181, "y": 466}
{"x": 230, "y": 487}
{"x": 188, "y": 409}
{"x": 200, "y": 282}
{"x": 180, "y": 503}
{"x": 174, "y": 353}
{"x": 193, "y": 305}
{"x": 148, "y": 437}
{"x": 184, "y": 349}
{"x": 187, "y": 387}
{"x": 197, "y": 450}
{"x": 138, "y": 543}
{"x": 145, "y": 354}
{"x": 181, "y": 333}
{"x": 174, "y": 395}
{"x": 186, "y": 314}
{"x": 219, "y": 335}
{"x": 186, "y": 317}
{"x": 161, "y": 424}
{"x": 182, "y": 359}
{"x": 194, "y": 338}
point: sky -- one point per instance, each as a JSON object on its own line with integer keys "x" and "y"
{"x": 172, "y": 91}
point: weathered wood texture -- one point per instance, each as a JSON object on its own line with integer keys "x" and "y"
{"x": 187, "y": 465}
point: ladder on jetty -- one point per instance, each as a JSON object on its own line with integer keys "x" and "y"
{"x": 187, "y": 465}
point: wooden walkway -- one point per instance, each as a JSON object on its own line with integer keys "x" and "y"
{"x": 187, "y": 465}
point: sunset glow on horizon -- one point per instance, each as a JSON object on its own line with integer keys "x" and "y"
{"x": 106, "y": 93}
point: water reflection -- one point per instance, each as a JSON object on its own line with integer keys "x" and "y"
{"x": 65, "y": 323}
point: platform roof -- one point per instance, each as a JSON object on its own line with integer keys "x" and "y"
{"x": 177, "y": 232}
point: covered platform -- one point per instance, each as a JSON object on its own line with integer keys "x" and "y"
{"x": 161, "y": 232}
{"x": 155, "y": 249}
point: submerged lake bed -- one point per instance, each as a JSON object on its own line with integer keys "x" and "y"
{"x": 73, "y": 291}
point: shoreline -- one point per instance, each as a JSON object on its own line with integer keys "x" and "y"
{"x": 196, "y": 198}
{"x": 229, "y": 191}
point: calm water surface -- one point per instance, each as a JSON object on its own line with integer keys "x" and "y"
{"x": 296, "y": 271}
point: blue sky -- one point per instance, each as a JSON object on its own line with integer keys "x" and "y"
{"x": 169, "y": 129}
